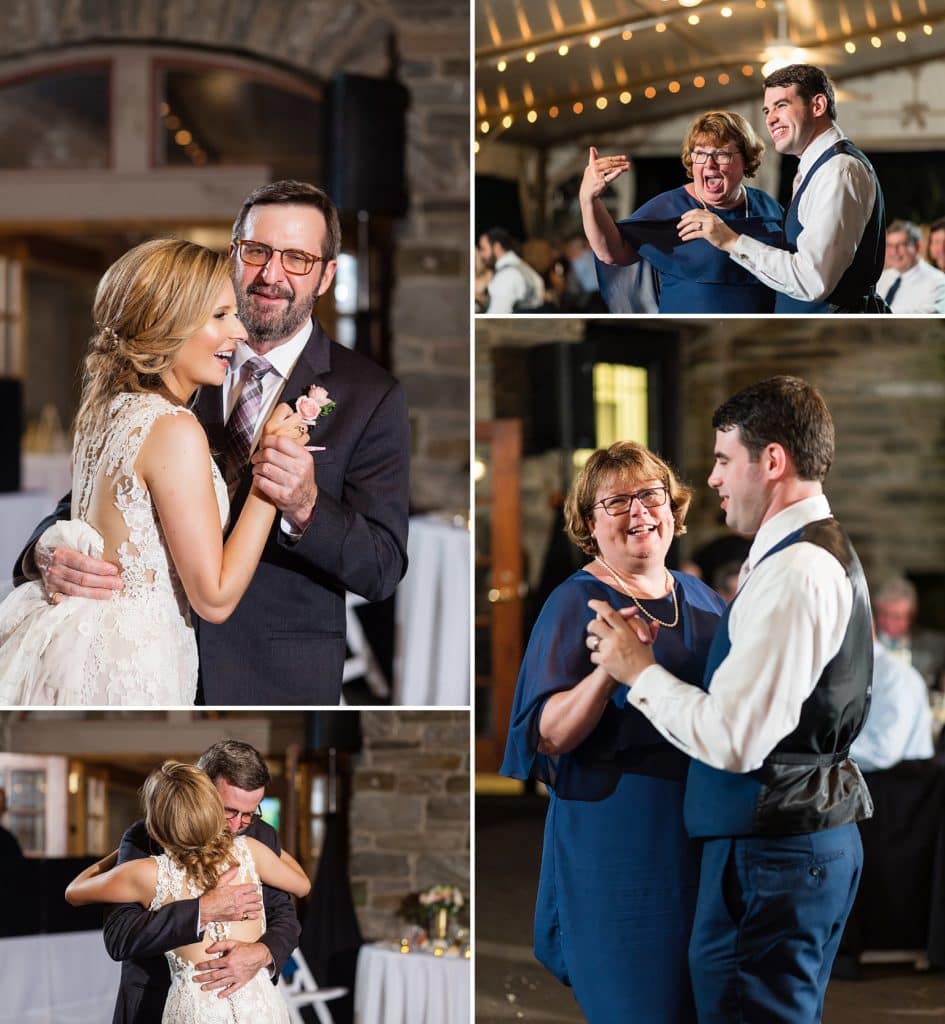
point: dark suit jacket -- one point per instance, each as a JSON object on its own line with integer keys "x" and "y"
{"x": 139, "y": 938}
{"x": 285, "y": 642}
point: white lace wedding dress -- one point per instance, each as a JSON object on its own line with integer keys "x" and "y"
{"x": 139, "y": 647}
{"x": 258, "y": 1002}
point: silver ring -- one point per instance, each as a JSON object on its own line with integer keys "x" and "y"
{"x": 596, "y": 646}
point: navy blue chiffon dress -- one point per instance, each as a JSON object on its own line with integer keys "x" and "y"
{"x": 619, "y": 875}
{"x": 694, "y": 276}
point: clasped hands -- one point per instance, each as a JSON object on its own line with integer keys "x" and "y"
{"x": 620, "y": 641}
{"x": 234, "y": 962}
{"x": 283, "y": 470}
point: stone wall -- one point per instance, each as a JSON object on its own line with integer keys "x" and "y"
{"x": 430, "y": 318}
{"x": 883, "y": 379}
{"x": 409, "y": 812}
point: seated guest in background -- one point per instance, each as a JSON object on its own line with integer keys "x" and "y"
{"x": 909, "y": 284}
{"x": 899, "y": 724}
{"x": 895, "y": 606}
{"x": 514, "y": 287}
{"x": 9, "y": 845}
{"x": 936, "y": 244}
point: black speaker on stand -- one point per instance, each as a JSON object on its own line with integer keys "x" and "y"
{"x": 11, "y": 433}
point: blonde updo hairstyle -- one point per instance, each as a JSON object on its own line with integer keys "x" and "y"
{"x": 184, "y": 813}
{"x": 719, "y": 128}
{"x": 147, "y": 304}
{"x": 625, "y": 464}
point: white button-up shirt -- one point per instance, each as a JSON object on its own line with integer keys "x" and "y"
{"x": 834, "y": 210}
{"x": 922, "y": 289}
{"x": 788, "y": 621}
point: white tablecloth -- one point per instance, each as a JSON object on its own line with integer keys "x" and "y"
{"x": 19, "y": 514}
{"x": 391, "y": 987}
{"x": 431, "y": 664}
{"x": 57, "y": 979}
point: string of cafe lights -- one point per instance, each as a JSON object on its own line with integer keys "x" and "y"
{"x": 497, "y": 122}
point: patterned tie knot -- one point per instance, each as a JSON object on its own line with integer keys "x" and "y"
{"x": 257, "y": 367}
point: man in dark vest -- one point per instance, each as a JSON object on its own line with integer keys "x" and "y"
{"x": 834, "y": 229}
{"x": 772, "y": 791}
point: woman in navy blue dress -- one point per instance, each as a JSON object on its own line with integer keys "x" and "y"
{"x": 618, "y": 874}
{"x": 643, "y": 260}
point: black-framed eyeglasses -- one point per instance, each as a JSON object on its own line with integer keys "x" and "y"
{"x": 619, "y": 504}
{"x": 246, "y": 817}
{"x": 723, "y": 157}
{"x": 294, "y": 261}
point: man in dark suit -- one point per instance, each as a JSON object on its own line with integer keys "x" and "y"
{"x": 140, "y": 938}
{"x": 344, "y": 508}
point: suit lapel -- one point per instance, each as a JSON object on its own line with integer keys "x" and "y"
{"x": 310, "y": 367}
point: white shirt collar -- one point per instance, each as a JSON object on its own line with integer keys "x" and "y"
{"x": 789, "y": 519}
{"x": 283, "y": 357}
{"x": 818, "y": 147}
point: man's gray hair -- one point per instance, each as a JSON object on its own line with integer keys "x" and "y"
{"x": 897, "y": 589}
{"x": 912, "y": 231}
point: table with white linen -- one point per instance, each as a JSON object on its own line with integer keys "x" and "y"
{"x": 20, "y": 511}
{"x": 431, "y": 662}
{"x": 391, "y": 987}
{"x": 65, "y": 978}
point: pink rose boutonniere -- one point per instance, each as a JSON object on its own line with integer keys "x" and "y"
{"x": 314, "y": 403}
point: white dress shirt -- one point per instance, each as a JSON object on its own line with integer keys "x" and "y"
{"x": 788, "y": 621}
{"x": 514, "y": 281}
{"x": 283, "y": 359}
{"x": 834, "y": 210}
{"x": 899, "y": 724}
{"x": 922, "y": 289}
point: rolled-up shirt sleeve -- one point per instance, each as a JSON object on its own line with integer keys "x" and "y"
{"x": 788, "y": 622}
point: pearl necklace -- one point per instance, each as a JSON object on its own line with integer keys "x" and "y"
{"x": 626, "y": 589}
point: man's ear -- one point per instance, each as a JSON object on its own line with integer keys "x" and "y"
{"x": 819, "y": 104}
{"x": 776, "y": 462}
{"x": 327, "y": 277}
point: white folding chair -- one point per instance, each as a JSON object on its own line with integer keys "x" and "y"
{"x": 362, "y": 662}
{"x": 302, "y": 990}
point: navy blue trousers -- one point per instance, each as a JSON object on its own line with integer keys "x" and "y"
{"x": 769, "y": 918}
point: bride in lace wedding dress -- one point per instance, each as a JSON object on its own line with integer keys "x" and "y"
{"x": 146, "y": 496}
{"x": 184, "y": 813}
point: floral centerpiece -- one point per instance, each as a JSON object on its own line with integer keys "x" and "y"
{"x": 433, "y": 907}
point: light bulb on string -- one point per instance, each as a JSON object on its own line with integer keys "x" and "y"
{"x": 530, "y": 56}
{"x": 594, "y": 42}
{"x": 850, "y": 46}
{"x": 563, "y": 50}
{"x": 693, "y": 19}
{"x": 501, "y": 66}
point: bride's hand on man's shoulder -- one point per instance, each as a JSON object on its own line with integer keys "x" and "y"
{"x": 600, "y": 172}
{"x": 284, "y": 422}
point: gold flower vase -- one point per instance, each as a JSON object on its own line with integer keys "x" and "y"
{"x": 440, "y": 925}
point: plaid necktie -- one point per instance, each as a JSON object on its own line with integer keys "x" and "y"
{"x": 241, "y": 425}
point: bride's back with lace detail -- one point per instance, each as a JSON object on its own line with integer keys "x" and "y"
{"x": 138, "y": 648}
{"x": 108, "y": 494}
{"x": 258, "y": 1002}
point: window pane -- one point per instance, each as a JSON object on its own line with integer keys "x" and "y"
{"x": 57, "y": 120}
{"x": 220, "y": 116}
